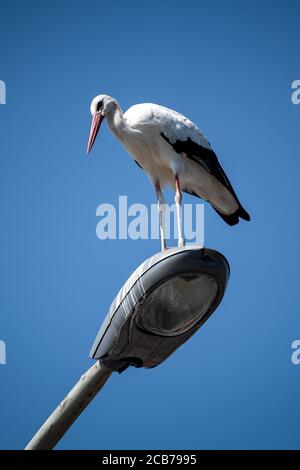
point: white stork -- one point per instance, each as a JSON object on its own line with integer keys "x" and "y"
{"x": 174, "y": 152}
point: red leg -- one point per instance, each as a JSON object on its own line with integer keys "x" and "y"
{"x": 161, "y": 208}
{"x": 178, "y": 198}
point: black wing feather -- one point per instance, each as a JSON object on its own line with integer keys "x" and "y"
{"x": 208, "y": 159}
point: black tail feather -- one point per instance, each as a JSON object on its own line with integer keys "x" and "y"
{"x": 243, "y": 214}
{"x": 234, "y": 218}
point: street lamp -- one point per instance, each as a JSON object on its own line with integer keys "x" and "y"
{"x": 163, "y": 303}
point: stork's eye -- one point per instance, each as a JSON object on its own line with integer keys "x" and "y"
{"x": 99, "y": 105}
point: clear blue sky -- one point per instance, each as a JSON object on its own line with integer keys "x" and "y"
{"x": 229, "y": 67}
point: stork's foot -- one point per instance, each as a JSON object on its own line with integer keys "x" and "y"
{"x": 181, "y": 242}
{"x": 163, "y": 245}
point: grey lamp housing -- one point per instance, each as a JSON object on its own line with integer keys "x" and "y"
{"x": 163, "y": 303}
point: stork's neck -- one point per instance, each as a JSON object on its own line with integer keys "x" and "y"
{"x": 117, "y": 123}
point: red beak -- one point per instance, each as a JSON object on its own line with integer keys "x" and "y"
{"x": 96, "y": 122}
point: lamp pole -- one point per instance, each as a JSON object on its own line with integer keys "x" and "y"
{"x": 89, "y": 384}
{"x": 163, "y": 303}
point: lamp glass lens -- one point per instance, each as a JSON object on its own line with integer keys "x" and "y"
{"x": 177, "y": 305}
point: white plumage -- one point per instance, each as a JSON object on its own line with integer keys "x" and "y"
{"x": 173, "y": 151}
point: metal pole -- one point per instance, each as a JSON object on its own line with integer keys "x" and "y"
{"x": 70, "y": 408}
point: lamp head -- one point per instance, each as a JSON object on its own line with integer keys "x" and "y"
{"x": 163, "y": 303}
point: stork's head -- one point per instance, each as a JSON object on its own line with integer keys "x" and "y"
{"x": 101, "y": 106}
